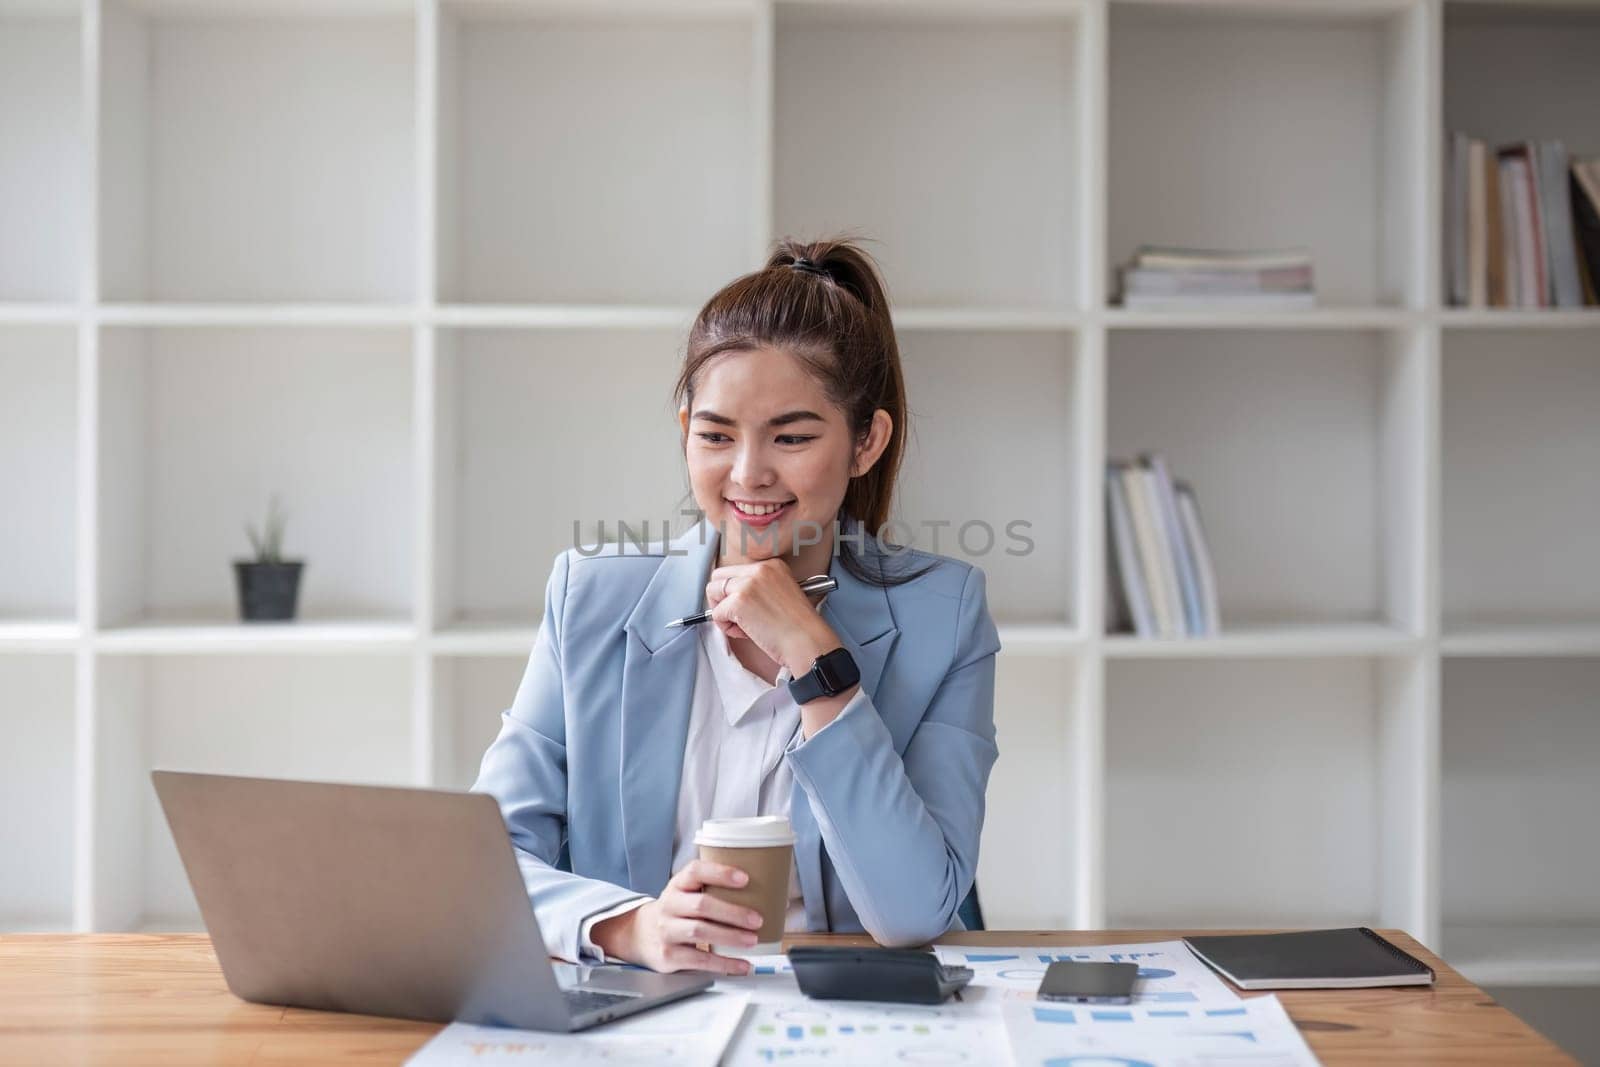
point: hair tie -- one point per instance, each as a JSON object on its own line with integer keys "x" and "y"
{"x": 802, "y": 263}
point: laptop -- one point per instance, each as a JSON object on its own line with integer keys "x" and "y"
{"x": 398, "y": 902}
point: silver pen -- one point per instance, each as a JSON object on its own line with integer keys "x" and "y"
{"x": 817, "y": 583}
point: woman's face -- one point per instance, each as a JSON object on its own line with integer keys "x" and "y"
{"x": 769, "y": 453}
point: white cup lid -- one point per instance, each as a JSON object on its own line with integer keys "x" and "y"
{"x": 758, "y": 831}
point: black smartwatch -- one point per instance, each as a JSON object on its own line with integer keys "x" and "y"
{"x": 830, "y": 675}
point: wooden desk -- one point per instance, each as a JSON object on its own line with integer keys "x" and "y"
{"x": 160, "y": 999}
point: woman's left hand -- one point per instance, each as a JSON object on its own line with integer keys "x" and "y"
{"x": 763, "y": 602}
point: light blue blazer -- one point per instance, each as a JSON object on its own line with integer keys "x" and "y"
{"x": 888, "y": 798}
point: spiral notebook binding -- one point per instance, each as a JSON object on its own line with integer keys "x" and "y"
{"x": 1416, "y": 965}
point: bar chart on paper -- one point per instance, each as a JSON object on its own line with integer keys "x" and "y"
{"x": 786, "y": 1026}
{"x": 1254, "y": 1033}
{"x": 840, "y": 1032}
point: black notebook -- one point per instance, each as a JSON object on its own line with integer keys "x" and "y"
{"x": 1310, "y": 959}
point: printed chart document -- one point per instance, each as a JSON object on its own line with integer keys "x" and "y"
{"x": 785, "y": 1026}
{"x": 849, "y": 1032}
{"x": 1169, "y": 974}
{"x": 1250, "y": 1033}
{"x": 693, "y": 1032}
{"x": 1183, "y": 1016}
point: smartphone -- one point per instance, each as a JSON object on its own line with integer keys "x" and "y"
{"x": 1089, "y": 983}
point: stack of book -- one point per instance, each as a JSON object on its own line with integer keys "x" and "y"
{"x": 1160, "y": 563}
{"x": 1196, "y": 278}
{"x": 1523, "y": 225}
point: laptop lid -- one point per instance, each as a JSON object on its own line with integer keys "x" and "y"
{"x": 385, "y": 901}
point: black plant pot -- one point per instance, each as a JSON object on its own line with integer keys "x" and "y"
{"x": 267, "y": 591}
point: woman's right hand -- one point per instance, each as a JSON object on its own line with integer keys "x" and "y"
{"x": 663, "y": 934}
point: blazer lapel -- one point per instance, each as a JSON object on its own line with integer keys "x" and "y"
{"x": 859, "y": 613}
{"x": 658, "y": 675}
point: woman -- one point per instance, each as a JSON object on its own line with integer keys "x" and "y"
{"x": 626, "y": 733}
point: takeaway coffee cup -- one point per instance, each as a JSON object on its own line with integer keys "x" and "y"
{"x": 762, "y": 846}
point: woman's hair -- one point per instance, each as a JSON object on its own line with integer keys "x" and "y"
{"x": 824, "y": 303}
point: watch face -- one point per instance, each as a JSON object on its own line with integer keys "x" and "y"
{"x": 838, "y": 671}
{"x": 829, "y": 676}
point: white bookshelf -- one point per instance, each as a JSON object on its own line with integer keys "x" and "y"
{"x": 426, "y": 269}
{"x": 1009, "y": 192}
{"x": 966, "y": 427}
{"x": 1519, "y": 787}
{"x": 344, "y": 717}
{"x": 228, "y": 416}
{"x": 1262, "y": 113}
{"x": 39, "y": 443}
{"x": 1229, "y": 802}
{"x": 42, "y": 172}
{"x": 260, "y": 156}
{"x": 37, "y": 788}
{"x": 522, "y": 92}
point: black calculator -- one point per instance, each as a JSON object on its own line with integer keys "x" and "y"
{"x": 903, "y": 976}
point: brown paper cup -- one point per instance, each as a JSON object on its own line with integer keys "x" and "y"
{"x": 768, "y": 889}
{"x": 761, "y": 847}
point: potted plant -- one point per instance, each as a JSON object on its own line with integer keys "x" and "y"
{"x": 268, "y": 584}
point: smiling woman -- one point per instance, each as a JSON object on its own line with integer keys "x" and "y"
{"x": 805, "y": 350}
{"x": 866, "y": 721}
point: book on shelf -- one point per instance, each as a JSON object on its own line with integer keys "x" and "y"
{"x": 1164, "y": 257}
{"x": 1163, "y": 553}
{"x": 1525, "y": 223}
{"x": 1150, "y": 557}
{"x": 1159, "y": 562}
{"x": 1477, "y": 226}
{"x": 1511, "y": 235}
{"x": 1195, "y": 534}
{"x": 1221, "y": 302}
{"x": 1584, "y": 188}
{"x": 1178, "y": 549}
{"x": 1514, "y": 226}
{"x": 1495, "y": 234}
{"x": 1160, "y": 277}
{"x": 1271, "y": 280}
{"x": 1526, "y": 164}
{"x": 1557, "y": 204}
{"x": 1455, "y": 234}
{"x": 1126, "y": 570}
